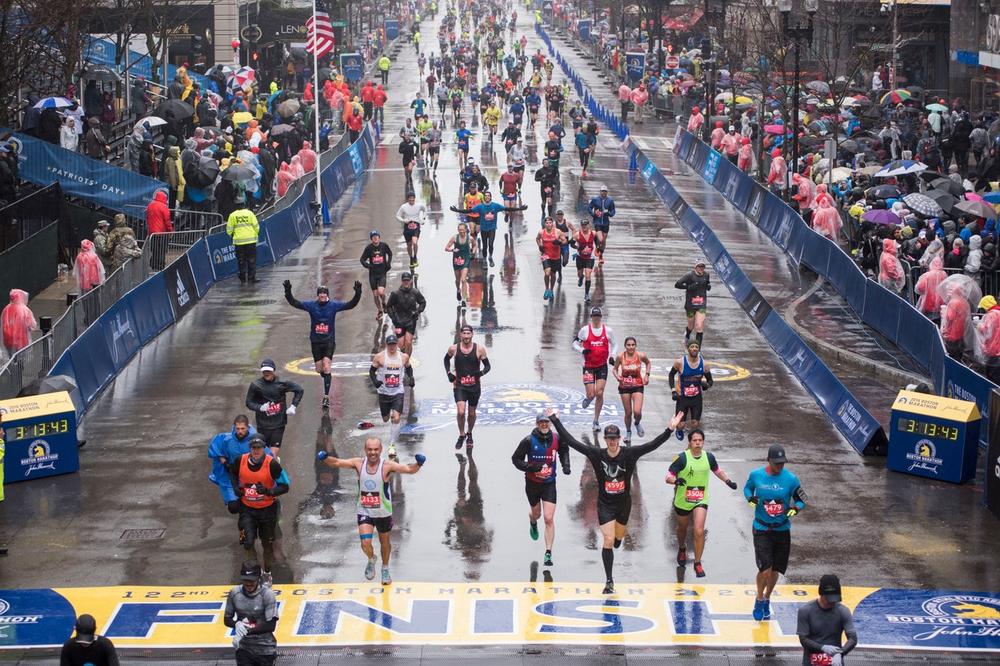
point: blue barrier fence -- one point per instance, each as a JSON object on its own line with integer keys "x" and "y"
{"x": 845, "y": 412}
{"x": 43, "y": 163}
{"x": 886, "y": 312}
{"x": 104, "y": 349}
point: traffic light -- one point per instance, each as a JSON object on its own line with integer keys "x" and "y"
{"x": 197, "y": 44}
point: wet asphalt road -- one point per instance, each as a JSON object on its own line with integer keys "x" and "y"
{"x": 145, "y": 463}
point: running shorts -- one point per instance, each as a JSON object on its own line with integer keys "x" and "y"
{"x": 692, "y": 313}
{"x": 382, "y": 525}
{"x": 582, "y": 264}
{"x": 690, "y": 406}
{"x": 272, "y": 436}
{"x": 376, "y": 280}
{"x": 552, "y": 264}
{"x": 257, "y": 523}
{"x": 323, "y": 349}
{"x": 390, "y": 403}
{"x": 467, "y": 395}
{"x": 687, "y": 512}
{"x": 771, "y": 548}
{"x": 591, "y": 375}
{"x": 617, "y": 510}
{"x": 603, "y": 228}
{"x": 629, "y": 390}
{"x": 403, "y": 329}
{"x": 539, "y": 492}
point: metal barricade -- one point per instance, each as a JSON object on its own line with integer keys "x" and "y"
{"x": 159, "y": 250}
{"x": 991, "y": 283}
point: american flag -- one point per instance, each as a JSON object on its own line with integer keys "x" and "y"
{"x": 320, "y": 31}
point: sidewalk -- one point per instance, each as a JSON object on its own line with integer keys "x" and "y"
{"x": 862, "y": 358}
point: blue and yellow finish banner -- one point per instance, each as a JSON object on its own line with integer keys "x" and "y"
{"x": 497, "y": 613}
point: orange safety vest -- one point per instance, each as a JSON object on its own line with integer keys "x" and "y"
{"x": 249, "y": 477}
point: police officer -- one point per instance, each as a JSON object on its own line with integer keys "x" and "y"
{"x": 243, "y": 228}
{"x": 266, "y": 398}
{"x": 257, "y": 479}
{"x": 252, "y": 613}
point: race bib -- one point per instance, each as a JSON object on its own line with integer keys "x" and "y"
{"x": 694, "y": 494}
{"x": 371, "y": 500}
{"x": 545, "y": 471}
{"x": 548, "y": 190}
{"x": 697, "y": 300}
{"x": 321, "y": 327}
{"x": 250, "y": 494}
{"x": 614, "y": 487}
{"x": 629, "y": 380}
{"x": 411, "y": 225}
{"x": 585, "y": 251}
{"x": 459, "y": 261}
{"x": 820, "y": 659}
{"x": 391, "y": 381}
{"x": 489, "y": 216}
{"x": 273, "y": 408}
{"x": 692, "y": 391}
{"x": 774, "y": 508}
{"x": 378, "y": 259}
{"x": 467, "y": 380}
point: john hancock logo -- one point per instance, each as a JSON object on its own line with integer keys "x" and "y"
{"x": 924, "y": 457}
{"x": 955, "y": 615}
{"x": 39, "y": 457}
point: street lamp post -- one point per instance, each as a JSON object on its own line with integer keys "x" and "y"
{"x": 715, "y": 15}
{"x": 798, "y": 33}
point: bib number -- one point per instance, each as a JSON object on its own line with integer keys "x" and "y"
{"x": 585, "y": 251}
{"x": 614, "y": 487}
{"x": 820, "y": 659}
{"x": 775, "y": 509}
{"x": 692, "y": 391}
{"x": 378, "y": 259}
{"x": 321, "y": 328}
{"x": 371, "y": 500}
{"x": 459, "y": 261}
{"x": 411, "y": 225}
{"x": 391, "y": 381}
{"x": 629, "y": 380}
{"x": 467, "y": 380}
{"x": 588, "y": 376}
{"x": 273, "y": 408}
{"x": 697, "y": 300}
{"x": 694, "y": 494}
{"x": 250, "y": 494}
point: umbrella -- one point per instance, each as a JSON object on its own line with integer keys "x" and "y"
{"x": 774, "y": 129}
{"x": 977, "y": 208}
{"x": 948, "y": 185}
{"x": 901, "y": 168}
{"x": 840, "y": 173}
{"x": 963, "y": 285}
{"x": 100, "y": 73}
{"x": 54, "y": 103}
{"x": 174, "y": 109}
{"x": 51, "y": 384}
{"x": 203, "y": 173}
{"x": 896, "y": 96}
{"x": 849, "y": 146}
{"x": 152, "y": 121}
{"x": 219, "y": 71}
{"x": 936, "y": 107}
{"x": 871, "y": 171}
{"x": 278, "y": 130}
{"x": 744, "y": 106}
{"x": 881, "y": 216}
{"x": 972, "y": 196}
{"x": 885, "y": 192}
{"x": 850, "y": 102}
{"x": 923, "y": 204}
{"x": 241, "y": 78}
{"x": 724, "y": 97}
{"x": 822, "y": 87}
{"x": 944, "y": 199}
{"x": 930, "y": 176}
{"x": 288, "y": 108}
{"x": 242, "y": 117}
{"x": 239, "y": 172}
{"x": 992, "y": 197}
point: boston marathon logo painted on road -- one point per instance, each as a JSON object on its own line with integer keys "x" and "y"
{"x": 653, "y": 614}
{"x": 341, "y": 365}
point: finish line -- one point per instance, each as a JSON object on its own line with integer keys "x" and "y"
{"x": 640, "y": 614}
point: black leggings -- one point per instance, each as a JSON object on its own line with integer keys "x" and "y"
{"x": 487, "y": 241}
{"x": 584, "y": 157}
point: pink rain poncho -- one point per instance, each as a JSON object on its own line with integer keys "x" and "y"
{"x": 745, "y": 159}
{"x": 776, "y": 174}
{"x": 806, "y": 192}
{"x": 890, "y": 270}
{"x": 826, "y": 219}
{"x": 88, "y": 269}
{"x": 284, "y": 178}
{"x": 17, "y": 322}
{"x": 958, "y": 292}
{"x": 308, "y": 157}
{"x": 696, "y": 120}
{"x": 927, "y": 286}
{"x": 295, "y": 166}
{"x": 989, "y": 334}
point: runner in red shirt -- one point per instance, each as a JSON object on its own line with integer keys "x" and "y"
{"x": 550, "y": 241}
{"x": 599, "y": 347}
{"x": 584, "y": 242}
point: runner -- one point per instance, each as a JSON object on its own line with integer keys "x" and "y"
{"x": 465, "y": 382}
{"x": 777, "y": 496}
{"x": 252, "y": 613}
{"x": 563, "y": 225}
{"x": 598, "y": 345}
{"x": 491, "y": 118}
{"x": 822, "y": 624}
{"x": 486, "y": 212}
{"x": 688, "y": 473}
{"x": 536, "y": 457}
{"x": 434, "y": 146}
{"x": 424, "y": 126}
{"x": 462, "y": 247}
{"x": 322, "y": 328}
{"x": 550, "y": 241}
{"x": 266, "y": 399}
{"x": 631, "y": 385}
{"x": 408, "y": 150}
{"x": 462, "y": 136}
{"x": 404, "y": 308}
{"x": 602, "y": 209}
{"x": 387, "y": 376}
{"x": 614, "y": 467}
{"x": 471, "y": 200}
{"x": 256, "y": 478}
{"x": 696, "y": 286}
{"x": 518, "y": 159}
{"x": 584, "y": 242}
{"x": 377, "y": 258}
{"x": 374, "y": 499}
{"x": 696, "y": 378}
{"x": 510, "y": 186}
{"x": 411, "y": 215}
{"x": 510, "y": 136}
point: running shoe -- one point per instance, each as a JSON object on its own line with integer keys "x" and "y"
{"x": 326, "y": 402}
{"x": 386, "y": 578}
{"x": 680, "y": 434}
{"x": 586, "y": 298}
{"x": 628, "y": 437}
{"x": 491, "y": 262}
{"x": 767, "y": 609}
{"x": 758, "y": 609}
{"x": 699, "y": 570}
{"x": 639, "y": 430}
{"x": 533, "y": 531}
{"x": 370, "y": 569}
{"x": 391, "y": 453}
{"x": 682, "y": 557}
{"x": 585, "y": 403}
{"x": 597, "y": 426}
{"x": 609, "y": 587}
{"x": 266, "y": 580}
{"x": 547, "y": 562}
{"x": 459, "y": 442}
{"x": 468, "y": 441}
{"x": 415, "y": 263}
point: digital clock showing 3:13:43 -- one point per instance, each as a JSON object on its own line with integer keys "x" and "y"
{"x": 33, "y": 430}
{"x": 927, "y": 429}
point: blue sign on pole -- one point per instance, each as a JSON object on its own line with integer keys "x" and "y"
{"x": 636, "y": 65}
{"x": 352, "y": 65}
{"x": 391, "y": 29}
{"x": 583, "y": 29}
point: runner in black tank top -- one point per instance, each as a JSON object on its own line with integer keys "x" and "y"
{"x": 465, "y": 380}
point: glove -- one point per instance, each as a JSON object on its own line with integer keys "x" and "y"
{"x": 705, "y": 387}
{"x": 421, "y": 459}
{"x": 753, "y": 500}
{"x": 291, "y": 410}
{"x": 565, "y": 469}
{"x": 233, "y": 506}
{"x": 675, "y": 396}
{"x": 585, "y": 351}
{"x": 611, "y": 362}
{"x": 794, "y": 512}
{"x": 838, "y": 660}
{"x": 322, "y": 455}
{"x": 451, "y": 377}
{"x": 264, "y": 407}
{"x": 357, "y": 285}
{"x": 241, "y": 629}
{"x": 287, "y": 284}
{"x": 831, "y": 650}
{"x": 731, "y": 483}
{"x": 261, "y": 490}
{"x": 534, "y": 467}
{"x": 378, "y": 383}
{"x": 679, "y": 481}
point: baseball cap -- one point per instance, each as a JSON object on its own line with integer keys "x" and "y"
{"x": 391, "y": 339}
{"x": 699, "y": 263}
{"x": 829, "y": 588}
{"x": 250, "y": 571}
{"x": 585, "y": 222}
{"x": 86, "y": 627}
{"x": 541, "y": 416}
{"x": 267, "y": 365}
{"x": 596, "y": 312}
{"x": 256, "y": 442}
{"x": 776, "y": 454}
{"x": 103, "y": 223}
{"x": 466, "y": 327}
{"x": 373, "y": 233}
{"x": 612, "y": 431}
{"x": 604, "y": 188}
{"x": 407, "y": 275}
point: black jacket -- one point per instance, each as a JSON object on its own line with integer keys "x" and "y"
{"x": 405, "y": 305}
{"x": 262, "y": 391}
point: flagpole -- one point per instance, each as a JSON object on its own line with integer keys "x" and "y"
{"x": 316, "y": 120}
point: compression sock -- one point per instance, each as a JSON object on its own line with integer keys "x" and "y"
{"x": 327, "y": 380}
{"x": 608, "y": 556}
{"x": 698, "y": 337}
{"x": 586, "y": 287}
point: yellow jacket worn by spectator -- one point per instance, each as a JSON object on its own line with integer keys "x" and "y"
{"x": 243, "y": 228}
